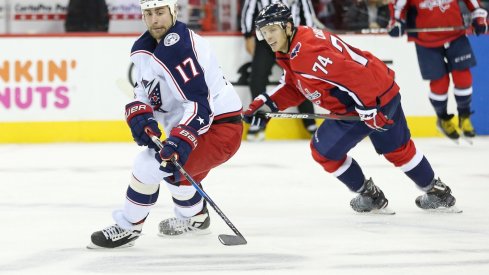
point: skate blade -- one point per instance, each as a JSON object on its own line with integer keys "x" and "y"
{"x": 469, "y": 140}
{"x": 255, "y": 138}
{"x": 260, "y": 136}
{"x": 449, "y": 210}
{"x": 93, "y": 246}
{"x": 455, "y": 140}
{"x": 383, "y": 211}
{"x": 192, "y": 233}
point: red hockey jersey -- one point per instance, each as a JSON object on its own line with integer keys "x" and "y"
{"x": 330, "y": 73}
{"x": 431, "y": 14}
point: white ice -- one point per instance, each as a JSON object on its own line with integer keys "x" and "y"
{"x": 295, "y": 216}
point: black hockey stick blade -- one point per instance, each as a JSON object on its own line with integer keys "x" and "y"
{"x": 232, "y": 240}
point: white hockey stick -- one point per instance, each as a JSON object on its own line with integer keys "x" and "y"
{"x": 225, "y": 239}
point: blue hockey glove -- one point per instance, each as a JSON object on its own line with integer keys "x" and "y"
{"x": 181, "y": 142}
{"x": 397, "y": 28}
{"x": 479, "y": 21}
{"x": 374, "y": 119}
{"x": 138, "y": 117}
{"x": 260, "y": 103}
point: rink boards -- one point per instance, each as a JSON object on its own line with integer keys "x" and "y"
{"x": 74, "y": 88}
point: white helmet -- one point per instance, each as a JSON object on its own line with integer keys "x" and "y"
{"x": 150, "y": 4}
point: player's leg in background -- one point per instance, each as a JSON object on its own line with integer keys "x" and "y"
{"x": 398, "y": 148}
{"x": 434, "y": 68}
{"x": 261, "y": 68}
{"x": 330, "y": 146}
{"x": 309, "y": 124}
{"x": 460, "y": 59}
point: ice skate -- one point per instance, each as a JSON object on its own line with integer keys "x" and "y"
{"x": 438, "y": 199}
{"x": 465, "y": 125}
{"x": 114, "y": 237}
{"x": 447, "y": 127}
{"x": 255, "y": 133}
{"x": 196, "y": 225}
{"x": 371, "y": 200}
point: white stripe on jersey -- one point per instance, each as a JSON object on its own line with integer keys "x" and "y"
{"x": 350, "y": 93}
{"x": 247, "y": 24}
{"x": 141, "y": 51}
{"x": 398, "y": 7}
{"x": 194, "y": 113}
{"x": 279, "y": 86}
{"x": 475, "y": 3}
{"x": 173, "y": 79}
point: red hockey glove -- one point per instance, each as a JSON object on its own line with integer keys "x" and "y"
{"x": 260, "y": 103}
{"x": 374, "y": 119}
{"x": 479, "y": 21}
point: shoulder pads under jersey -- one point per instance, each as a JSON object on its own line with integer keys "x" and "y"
{"x": 176, "y": 46}
{"x": 144, "y": 43}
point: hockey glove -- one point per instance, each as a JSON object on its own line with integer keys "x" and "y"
{"x": 181, "y": 142}
{"x": 261, "y": 103}
{"x": 397, "y": 28}
{"x": 479, "y": 21}
{"x": 374, "y": 119}
{"x": 138, "y": 117}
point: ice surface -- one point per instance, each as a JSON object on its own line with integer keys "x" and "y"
{"x": 296, "y": 218}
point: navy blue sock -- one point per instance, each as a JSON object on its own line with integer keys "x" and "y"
{"x": 463, "y": 104}
{"x": 422, "y": 174}
{"x": 353, "y": 177}
{"x": 440, "y": 107}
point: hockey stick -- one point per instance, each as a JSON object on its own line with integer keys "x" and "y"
{"x": 415, "y": 30}
{"x": 439, "y": 29}
{"x": 308, "y": 116}
{"x": 225, "y": 239}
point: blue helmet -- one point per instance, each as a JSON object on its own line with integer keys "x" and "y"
{"x": 273, "y": 14}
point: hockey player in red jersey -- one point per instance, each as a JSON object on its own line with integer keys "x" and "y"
{"x": 442, "y": 53}
{"x": 179, "y": 87}
{"x": 320, "y": 67}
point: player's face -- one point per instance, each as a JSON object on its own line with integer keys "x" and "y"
{"x": 275, "y": 37}
{"x": 158, "y": 21}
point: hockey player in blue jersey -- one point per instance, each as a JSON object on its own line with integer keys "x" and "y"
{"x": 181, "y": 88}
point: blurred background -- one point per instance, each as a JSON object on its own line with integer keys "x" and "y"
{"x": 65, "y": 71}
{"x": 49, "y": 16}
